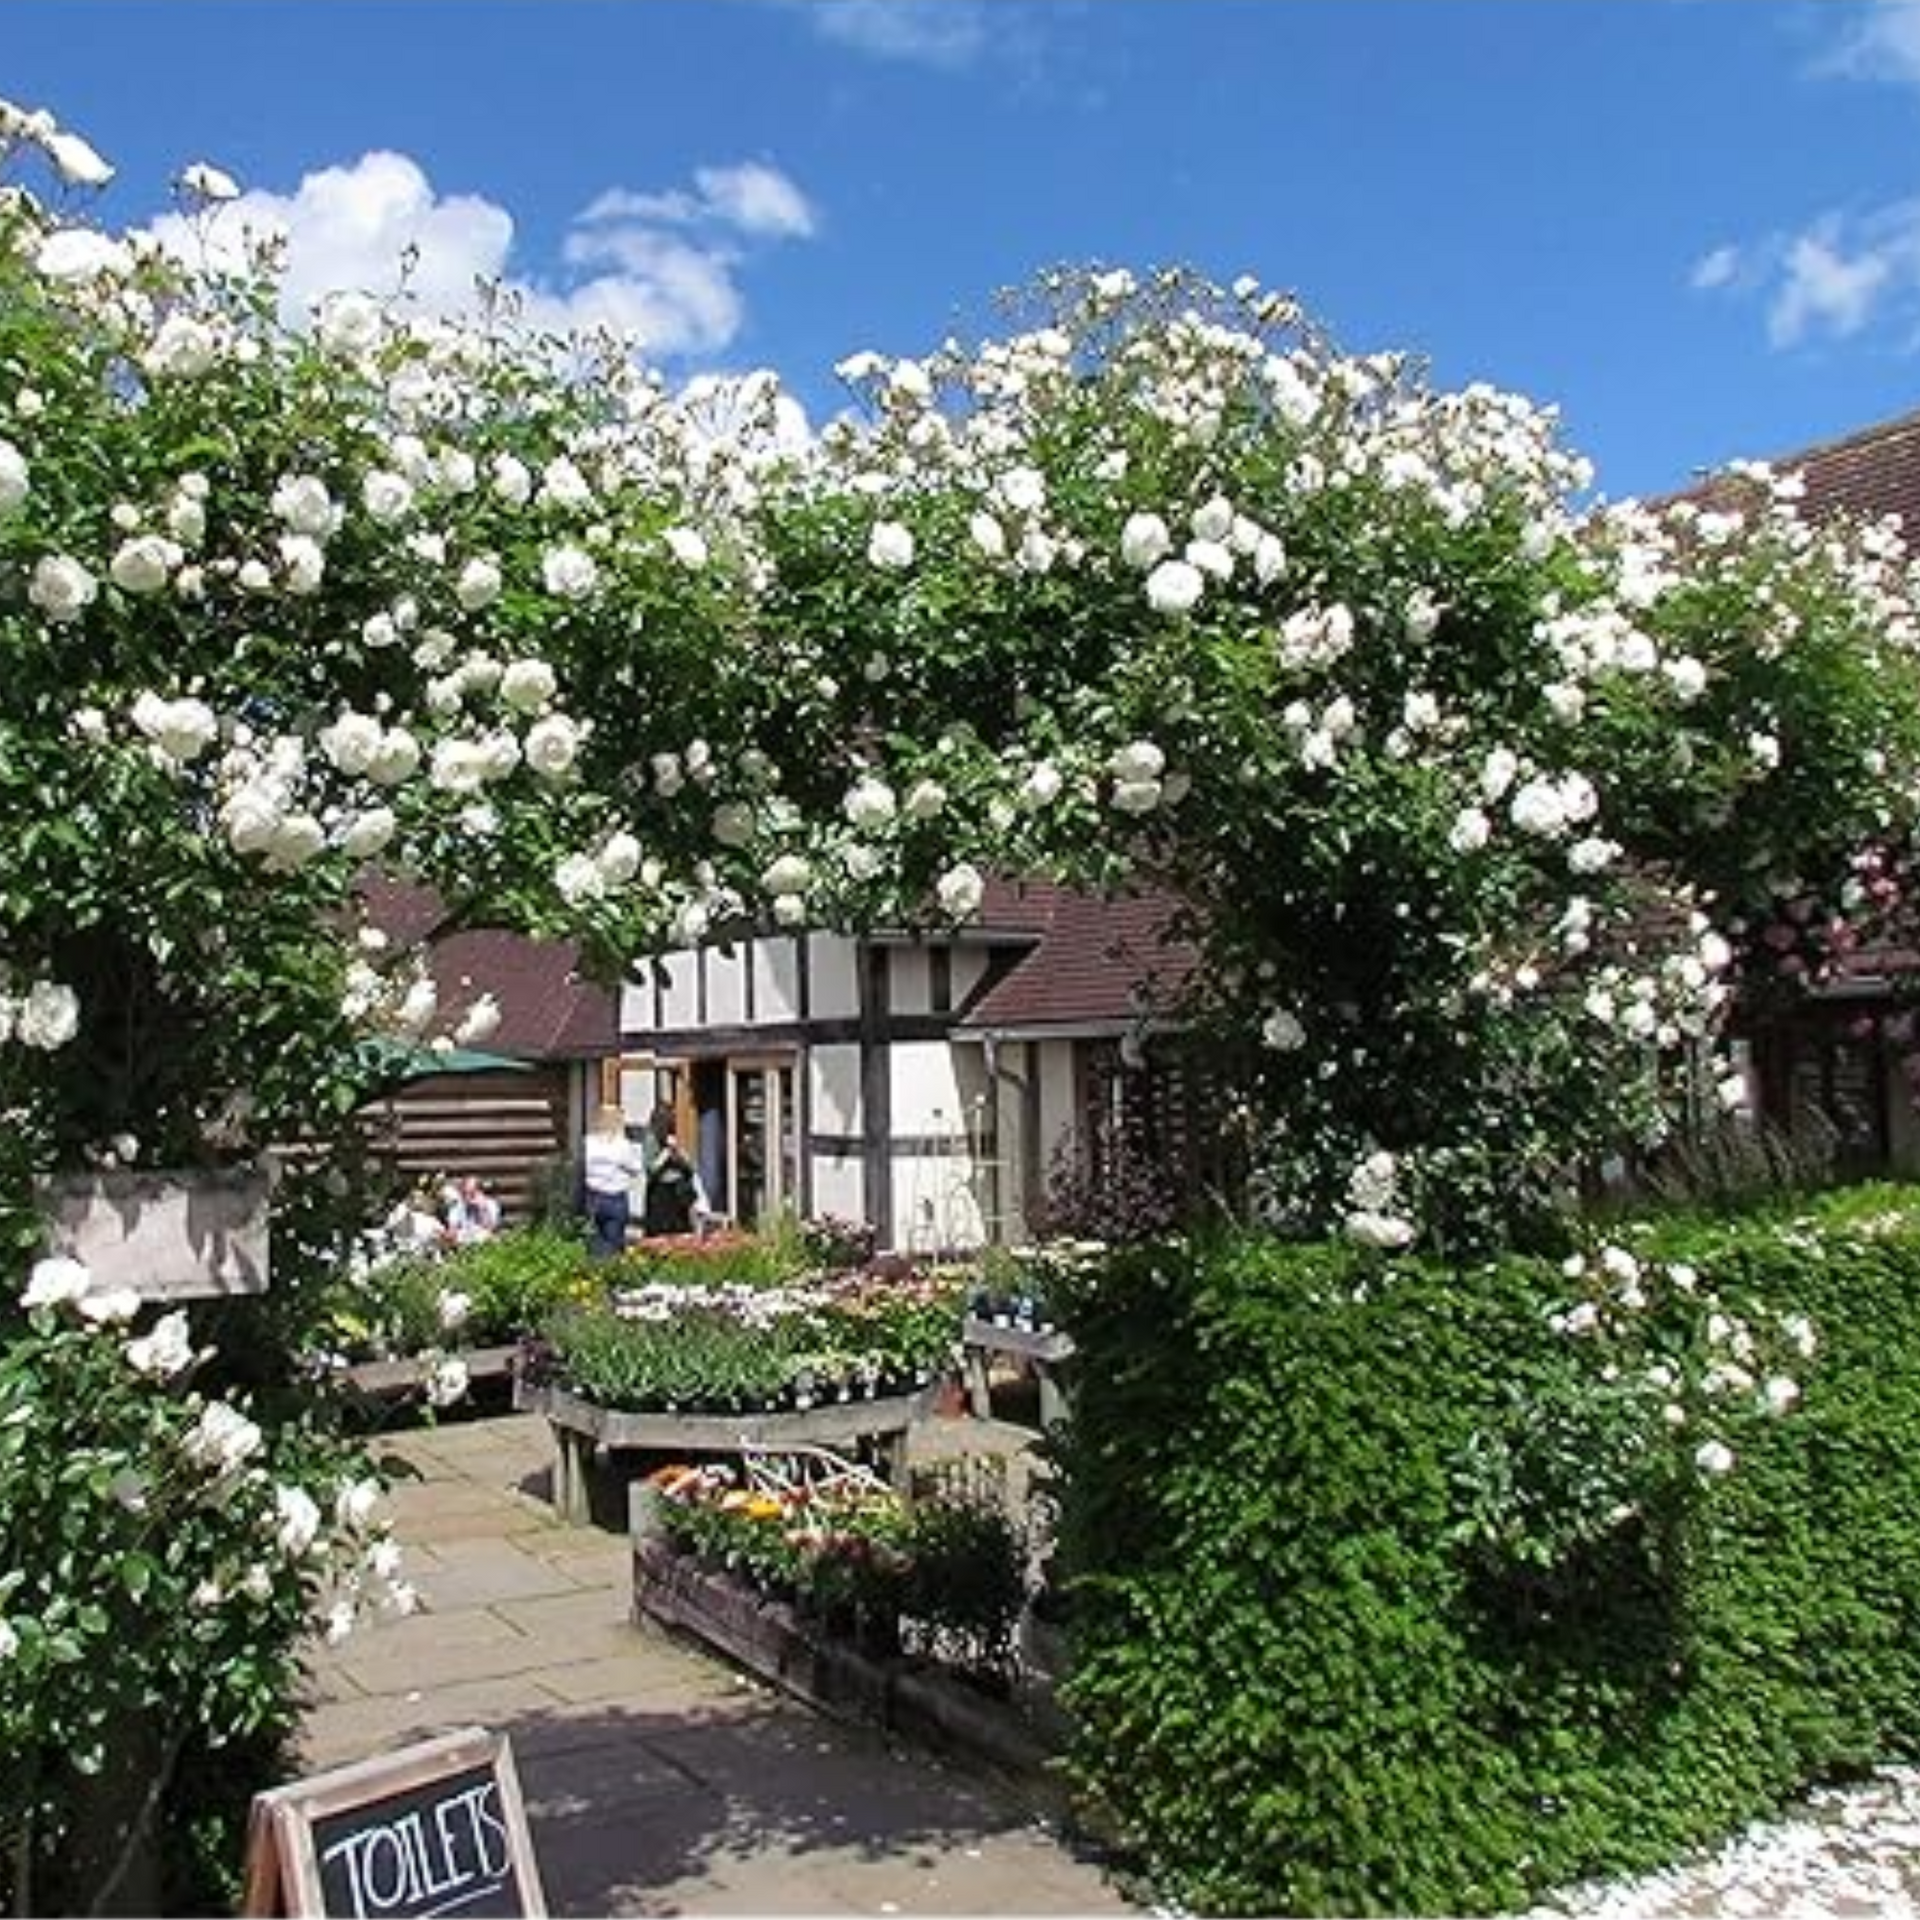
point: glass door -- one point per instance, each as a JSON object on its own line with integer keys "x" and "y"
{"x": 763, "y": 1138}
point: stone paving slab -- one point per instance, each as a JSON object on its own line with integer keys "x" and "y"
{"x": 657, "y": 1779}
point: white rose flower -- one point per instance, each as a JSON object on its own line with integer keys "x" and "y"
{"x": 1212, "y": 558}
{"x": 181, "y": 729}
{"x": 352, "y": 742}
{"x": 355, "y": 1505}
{"x": 77, "y": 163}
{"x": 869, "y": 804}
{"x": 143, "y": 564}
{"x": 387, "y": 497}
{"x": 1539, "y": 809}
{"x": 1282, "y": 1031}
{"x": 478, "y": 584}
{"x": 789, "y": 874}
{"x": 890, "y": 546}
{"x": 1470, "y": 831}
{"x": 46, "y": 1016}
{"x": 1136, "y": 796}
{"x": 396, "y": 759}
{"x": 553, "y": 744}
{"x": 349, "y": 324}
{"x": 368, "y": 832}
{"x": 961, "y": 889}
{"x": 70, "y": 255}
{"x": 690, "y": 924}
{"x": 223, "y": 1439}
{"x": 165, "y": 1350}
{"x": 61, "y": 587}
{"x": 1383, "y": 1230}
{"x": 295, "y": 840}
{"x": 578, "y": 877}
{"x": 1139, "y": 760}
{"x": 988, "y": 535}
{"x": 1714, "y": 1458}
{"x": 687, "y": 547}
{"x": 733, "y": 823}
{"x": 1144, "y": 541}
{"x": 618, "y": 858}
{"x": 302, "y": 504}
{"x": 1175, "y": 587}
{"x": 1023, "y": 489}
{"x": 926, "y": 799}
{"x": 209, "y": 183}
{"x": 569, "y": 573}
{"x": 1501, "y": 769}
{"x": 305, "y": 562}
{"x": 1590, "y": 856}
{"x": 182, "y": 349}
{"x": 527, "y": 685}
{"x": 454, "y": 1309}
{"x": 564, "y": 484}
{"x": 250, "y": 816}
{"x": 1214, "y": 521}
{"x": 56, "y": 1281}
{"x": 512, "y": 482}
{"x": 1687, "y": 677}
{"x": 1042, "y": 785}
{"x": 480, "y": 1022}
{"x": 296, "y": 1522}
{"x": 9, "y": 1640}
{"x": 15, "y": 477}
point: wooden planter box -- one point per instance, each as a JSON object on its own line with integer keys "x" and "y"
{"x": 583, "y": 1431}
{"x": 781, "y": 1646}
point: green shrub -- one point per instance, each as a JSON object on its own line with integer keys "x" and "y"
{"x": 1394, "y": 1592}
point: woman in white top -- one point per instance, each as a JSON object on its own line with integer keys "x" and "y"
{"x": 610, "y": 1162}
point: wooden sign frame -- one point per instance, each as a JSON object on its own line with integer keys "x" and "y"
{"x": 283, "y": 1867}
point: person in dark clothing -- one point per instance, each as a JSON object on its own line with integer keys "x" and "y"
{"x": 673, "y": 1195}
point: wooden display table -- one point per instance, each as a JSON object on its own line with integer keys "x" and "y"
{"x": 582, "y": 1430}
{"x": 1047, "y": 1352}
{"x": 381, "y": 1379}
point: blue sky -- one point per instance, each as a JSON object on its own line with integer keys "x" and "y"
{"x": 1693, "y": 225}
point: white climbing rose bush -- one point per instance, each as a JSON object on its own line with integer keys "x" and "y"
{"x": 1472, "y": 790}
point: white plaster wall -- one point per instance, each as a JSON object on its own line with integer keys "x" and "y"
{"x": 834, "y": 1088}
{"x": 636, "y": 1003}
{"x": 831, "y": 975}
{"x": 1052, "y": 1060}
{"x": 726, "y": 986}
{"x": 680, "y": 1003}
{"x": 776, "y": 981}
{"x": 924, "y": 1087}
{"x": 839, "y": 1186}
{"x": 909, "y": 984}
{"x": 969, "y": 965}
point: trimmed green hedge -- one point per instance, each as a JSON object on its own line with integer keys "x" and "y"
{"x": 1379, "y": 1604}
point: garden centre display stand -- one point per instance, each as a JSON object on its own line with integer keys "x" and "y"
{"x": 383, "y": 1379}
{"x": 774, "y": 1641}
{"x": 582, "y": 1430}
{"x": 1047, "y": 1350}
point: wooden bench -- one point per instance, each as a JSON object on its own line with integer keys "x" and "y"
{"x": 1046, "y": 1350}
{"x": 583, "y": 1431}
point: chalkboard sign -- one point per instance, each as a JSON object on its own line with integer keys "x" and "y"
{"x": 434, "y": 1828}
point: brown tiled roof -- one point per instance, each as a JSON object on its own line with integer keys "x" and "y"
{"x": 1872, "y": 472}
{"x": 546, "y": 1011}
{"x": 1095, "y": 963}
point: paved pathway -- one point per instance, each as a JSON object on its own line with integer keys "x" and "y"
{"x": 657, "y": 1780}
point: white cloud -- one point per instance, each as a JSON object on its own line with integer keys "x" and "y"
{"x": 1821, "y": 288}
{"x": 1837, "y": 277}
{"x": 752, "y": 198}
{"x": 1716, "y": 269}
{"x": 665, "y": 266}
{"x": 1880, "y": 41}
{"x": 927, "y": 33}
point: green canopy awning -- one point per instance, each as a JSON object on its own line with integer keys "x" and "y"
{"x": 396, "y": 1062}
